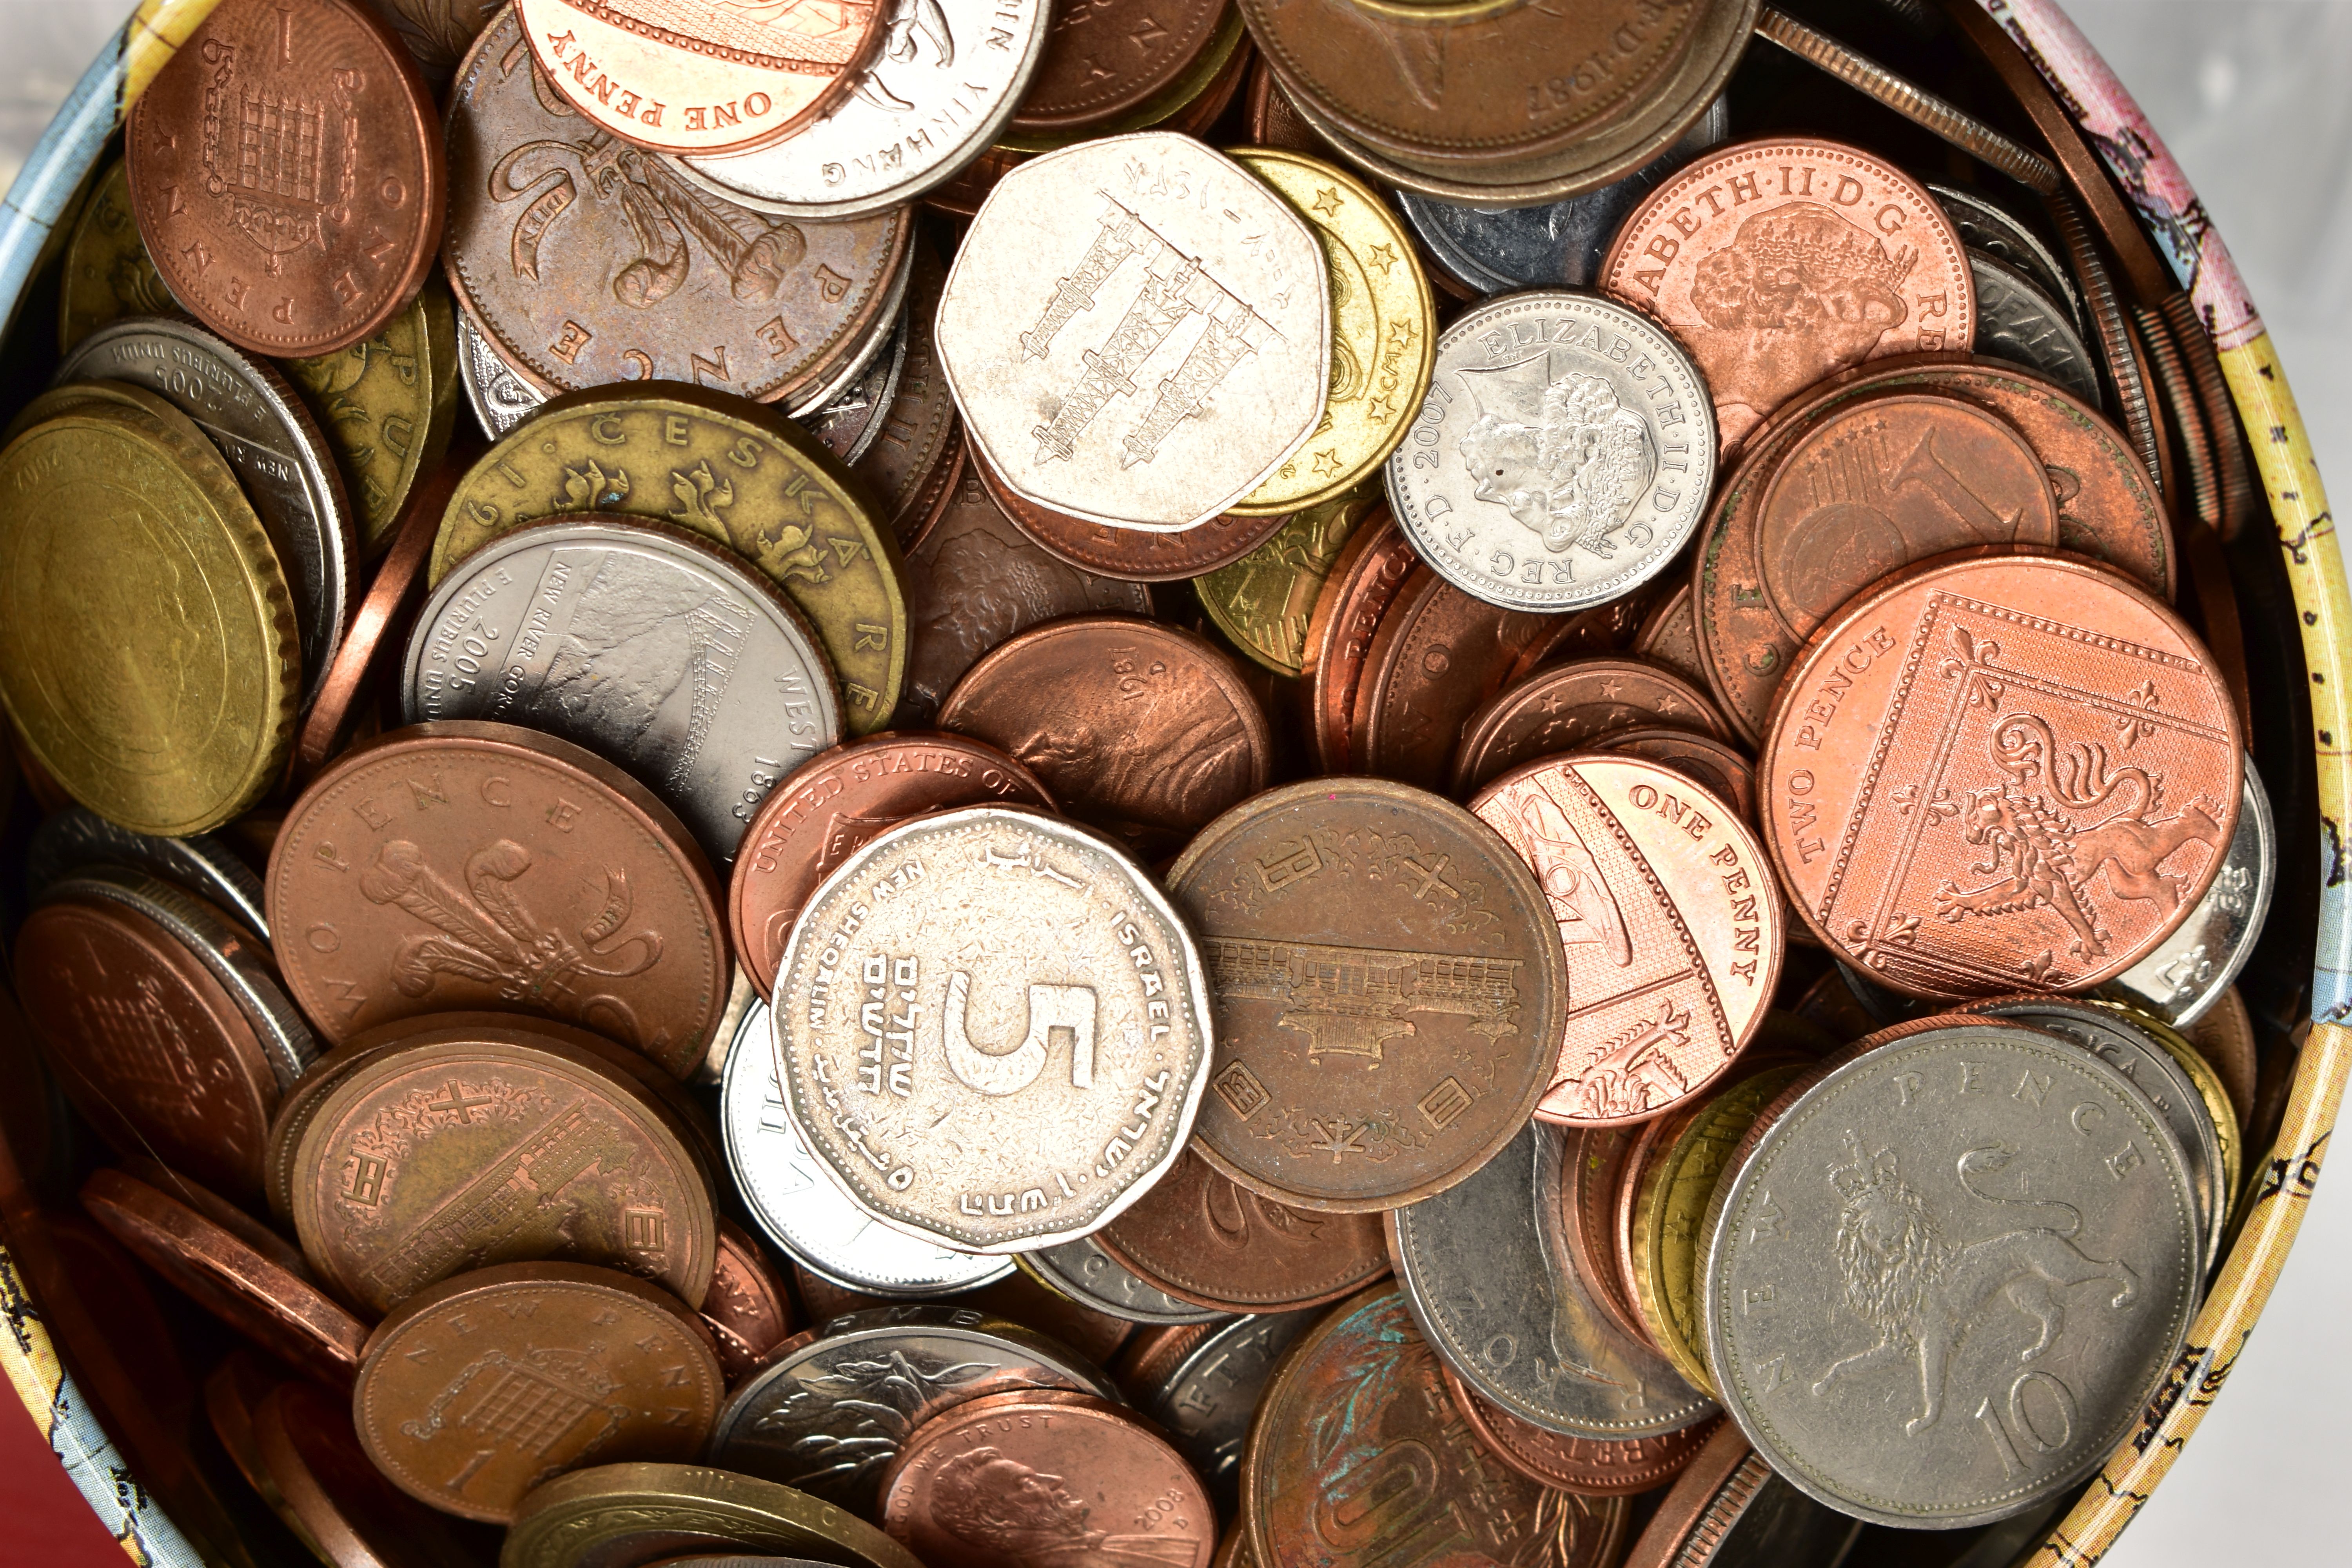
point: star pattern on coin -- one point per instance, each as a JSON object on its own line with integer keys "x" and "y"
{"x": 1382, "y": 256}
{"x": 1611, "y": 687}
{"x": 1326, "y": 202}
{"x": 1327, "y": 462}
{"x": 1383, "y": 405}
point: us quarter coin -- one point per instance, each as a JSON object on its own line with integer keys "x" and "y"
{"x": 1137, "y": 332}
{"x": 500, "y": 397}
{"x": 1092, "y": 1278}
{"x": 67, "y": 841}
{"x": 1563, "y": 455}
{"x": 803, "y": 1212}
{"x": 992, "y": 1029}
{"x": 2019, "y": 323}
{"x": 1942, "y": 1284}
{"x": 2187, "y": 973}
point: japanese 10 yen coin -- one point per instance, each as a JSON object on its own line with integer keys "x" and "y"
{"x": 992, "y": 1029}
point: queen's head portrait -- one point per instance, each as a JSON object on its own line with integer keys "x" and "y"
{"x": 1556, "y": 449}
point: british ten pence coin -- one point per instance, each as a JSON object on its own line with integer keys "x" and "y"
{"x": 1662, "y": 900}
{"x": 992, "y": 1029}
{"x": 1479, "y": 484}
{"x": 2000, "y": 774}
{"x": 1878, "y": 269}
{"x": 476, "y": 1391}
{"x": 1205, "y": 1239}
{"x": 1144, "y": 262}
{"x": 465, "y": 864}
{"x": 308, "y": 228}
{"x": 1387, "y": 988}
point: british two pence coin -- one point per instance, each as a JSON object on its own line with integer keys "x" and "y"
{"x": 1136, "y": 331}
{"x": 2001, "y": 774}
{"x": 1388, "y": 993}
{"x": 1482, "y": 484}
{"x": 1878, "y": 269}
{"x": 1977, "y": 1174}
{"x": 1206, "y": 1239}
{"x": 1118, "y": 551}
{"x": 1661, "y": 898}
{"x": 992, "y": 1029}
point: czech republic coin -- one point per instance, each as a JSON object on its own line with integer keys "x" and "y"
{"x": 1181, "y": 353}
{"x": 1562, "y": 457}
{"x": 992, "y": 1029}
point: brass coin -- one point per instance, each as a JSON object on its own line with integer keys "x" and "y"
{"x": 1266, "y": 601}
{"x": 733, "y": 473}
{"x": 107, "y": 270}
{"x": 148, "y": 652}
{"x": 637, "y": 1513}
{"x": 387, "y": 405}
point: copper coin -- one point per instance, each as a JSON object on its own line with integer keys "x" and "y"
{"x": 1665, "y": 907}
{"x": 145, "y": 1042}
{"x": 746, "y": 1309}
{"x": 919, "y": 435}
{"x": 589, "y": 260}
{"x": 1360, "y": 1455}
{"x": 1105, "y": 58}
{"x": 485, "y": 1386}
{"x": 1595, "y": 633}
{"x": 1036, "y": 1479}
{"x": 2224, "y": 1037}
{"x": 1272, "y": 123}
{"x": 1373, "y": 568}
{"x": 1437, "y": 656}
{"x": 1730, "y": 1508}
{"x": 1775, "y": 263}
{"x": 1387, "y": 992}
{"x": 1210, "y": 1241}
{"x": 286, "y": 172}
{"x": 1668, "y": 636}
{"x": 293, "y": 1117}
{"x": 1613, "y": 1469}
{"x": 977, "y": 579}
{"x": 1960, "y": 785}
{"x": 1150, "y": 731}
{"x": 835, "y": 803}
{"x": 1574, "y": 708}
{"x": 1725, "y": 773}
{"x": 1592, "y": 1168}
{"x": 464, "y": 865}
{"x": 1131, "y": 554}
{"x": 326, "y": 1489}
{"x": 1153, "y": 1353}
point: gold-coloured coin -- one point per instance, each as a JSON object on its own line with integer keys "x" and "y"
{"x": 387, "y": 404}
{"x": 737, "y": 474}
{"x": 2210, "y": 1090}
{"x": 108, "y": 273}
{"x": 1383, "y": 331}
{"x": 601, "y": 1513}
{"x": 148, "y": 653}
{"x": 1263, "y": 602}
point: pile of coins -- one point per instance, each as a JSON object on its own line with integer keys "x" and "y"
{"x": 1338, "y": 782}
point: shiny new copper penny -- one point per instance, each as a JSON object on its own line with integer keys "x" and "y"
{"x": 1148, "y": 733}
{"x": 1721, "y": 767}
{"x": 243, "y": 1285}
{"x": 1581, "y": 1465}
{"x": 1663, "y": 904}
{"x": 467, "y": 864}
{"x": 1668, "y": 636}
{"x": 1999, "y": 774}
{"x": 1437, "y": 656}
{"x": 322, "y": 1483}
{"x": 146, "y": 1042}
{"x": 1776, "y": 263}
{"x": 1208, "y": 1241}
{"x": 1592, "y": 1167}
{"x": 746, "y": 1309}
{"x": 286, "y": 172}
{"x": 1106, "y": 58}
{"x": 976, "y": 578}
{"x": 1131, "y": 554}
{"x": 1572, "y": 708}
{"x": 833, "y": 805}
{"x": 1037, "y": 1478}
{"x": 1373, "y": 568}
{"x": 480, "y": 1388}
{"x": 487, "y": 1146}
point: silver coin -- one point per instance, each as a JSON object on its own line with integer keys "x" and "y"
{"x": 235, "y": 958}
{"x": 1991, "y": 230}
{"x": 1558, "y": 245}
{"x": 67, "y": 841}
{"x": 938, "y": 92}
{"x": 829, "y": 1411}
{"x": 2186, "y": 975}
{"x": 1206, "y": 1401}
{"x": 1488, "y": 1277}
{"x": 262, "y": 427}
{"x": 806, "y": 1214}
{"x": 1943, "y": 1284}
{"x": 869, "y": 347}
{"x": 2019, "y": 323}
{"x": 1481, "y": 486}
{"x": 1092, "y": 1278}
{"x": 850, "y": 424}
{"x": 661, "y": 653}
{"x": 499, "y": 396}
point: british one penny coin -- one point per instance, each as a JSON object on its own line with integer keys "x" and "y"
{"x": 1592, "y": 1168}
{"x": 251, "y": 1290}
{"x": 1208, "y": 1241}
{"x": 1663, "y": 905}
{"x": 146, "y": 1042}
{"x": 490, "y": 1148}
{"x": 324, "y": 1485}
{"x": 1722, "y": 768}
{"x": 1437, "y": 656}
{"x": 1609, "y": 1469}
{"x": 1960, "y": 785}
{"x": 1372, "y": 570}
{"x": 1575, "y": 707}
{"x": 1131, "y": 554}
{"x": 467, "y": 864}
{"x": 1668, "y": 636}
{"x": 1106, "y": 58}
{"x": 1008, "y": 1480}
{"x": 832, "y": 805}
{"x": 976, "y": 578}
{"x": 1386, "y": 987}
{"x": 482, "y": 1387}
{"x": 746, "y": 1309}
{"x": 1776, "y": 263}
{"x": 313, "y": 224}
{"x": 1150, "y": 730}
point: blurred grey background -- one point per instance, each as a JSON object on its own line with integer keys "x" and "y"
{"x": 2250, "y": 95}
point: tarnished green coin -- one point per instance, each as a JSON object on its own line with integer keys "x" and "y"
{"x": 387, "y": 404}
{"x": 731, "y": 472}
{"x": 1264, "y": 600}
